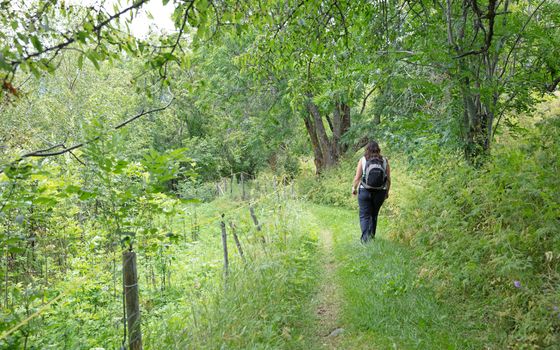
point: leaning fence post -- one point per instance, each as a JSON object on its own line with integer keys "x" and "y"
{"x": 130, "y": 281}
{"x": 224, "y": 243}
{"x": 237, "y": 242}
{"x": 256, "y": 222}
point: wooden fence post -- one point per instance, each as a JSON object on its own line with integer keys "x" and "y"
{"x": 130, "y": 281}
{"x": 237, "y": 242}
{"x": 218, "y": 189}
{"x": 224, "y": 243}
{"x": 242, "y": 187}
{"x": 256, "y": 222}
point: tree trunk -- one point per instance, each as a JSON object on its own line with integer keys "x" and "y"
{"x": 477, "y": 126}
{"x": 318, "y": 154}
{"x": 337, "y": 130}
{"x": 341, "y": 124}
{"x": 326, "y": 150}
{"x": 346, "y": 124}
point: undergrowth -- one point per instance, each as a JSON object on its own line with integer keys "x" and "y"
{"x": 186, "y": 302}
{"x": 491, "y": 237}
{"x": 488, "y": 237}
{"x": 386, "y": 304}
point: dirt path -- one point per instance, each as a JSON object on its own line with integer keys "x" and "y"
{"x": 328, "y": 308}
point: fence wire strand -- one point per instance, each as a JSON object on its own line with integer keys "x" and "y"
{"x": 205, "y": 223}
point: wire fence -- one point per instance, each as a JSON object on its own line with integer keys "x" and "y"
{"x": 245, "y": 190}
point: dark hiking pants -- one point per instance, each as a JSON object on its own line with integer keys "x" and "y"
{"x": 370, "y": 202}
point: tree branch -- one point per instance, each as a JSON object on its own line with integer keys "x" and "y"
{"x": 48, "y": 152}
{"x": 346, "y": 35}
{"x": 181, "y": 30}
{"x": 552, "y": 86}
{"x": 283, "y": 24}
{"x": 365, "y": 99}
{"x": 514, "y": 46}
{"x": 72, "y": 39}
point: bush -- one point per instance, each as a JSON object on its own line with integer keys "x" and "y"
{"x": 203, "y": 191}
{"x": 333, "y": 187}
{"x": 490, "y": 236}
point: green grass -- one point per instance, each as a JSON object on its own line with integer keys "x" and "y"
{"x": 387, "y": 304}
{"x": 265, "y": 304}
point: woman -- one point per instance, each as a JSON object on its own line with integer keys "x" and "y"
{"x": 370, "y": 200}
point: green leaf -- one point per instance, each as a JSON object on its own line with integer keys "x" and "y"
{"x": 91, "y": 55}
{"x": 72, "y": 189}
{"x": 85, "y": 195}
{"x": 34, "y": 70}
{"x": 82, "y": 36}
{"x": 36, "y": 43}
{"x": 88, "y": 26}
{"x": 80, "y": 61}
{"x": 46, "y": 201}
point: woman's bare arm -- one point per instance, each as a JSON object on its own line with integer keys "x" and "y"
{"x": 357, "y": 178}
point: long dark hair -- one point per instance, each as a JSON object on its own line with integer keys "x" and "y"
{"x": 372, "y": 150}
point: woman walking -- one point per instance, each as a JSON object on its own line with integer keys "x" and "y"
{"x": 371, "y": 184}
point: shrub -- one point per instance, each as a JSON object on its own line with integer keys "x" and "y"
{"x": 490, "y": 236}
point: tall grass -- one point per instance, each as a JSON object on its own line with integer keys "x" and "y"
{"x": 264, "y": 303}
{"x": 488, "y": 238}
{"x": 491, "y": 237}
{"x": 387, "y": 304}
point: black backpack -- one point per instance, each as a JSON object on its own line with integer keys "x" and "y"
{"x": 375, "y": 174}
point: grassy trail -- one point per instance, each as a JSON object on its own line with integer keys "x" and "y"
{"x": 376, "y": 293}
{"x": 328, "y": 309}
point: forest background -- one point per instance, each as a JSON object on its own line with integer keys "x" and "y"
{"x": 112, "y": 141}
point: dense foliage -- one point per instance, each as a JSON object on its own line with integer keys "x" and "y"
{"x": 488, "y": 236}
{"x": 491, "y": 235}
{"x": 110, "y": 142}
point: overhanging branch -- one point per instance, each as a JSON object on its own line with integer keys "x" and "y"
{"x": 72, "y": 39}
{"x": 552, "y": 86}
{"x": 50, "y": 151}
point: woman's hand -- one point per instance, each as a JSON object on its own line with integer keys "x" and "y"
{"x": 354, "y": 191}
